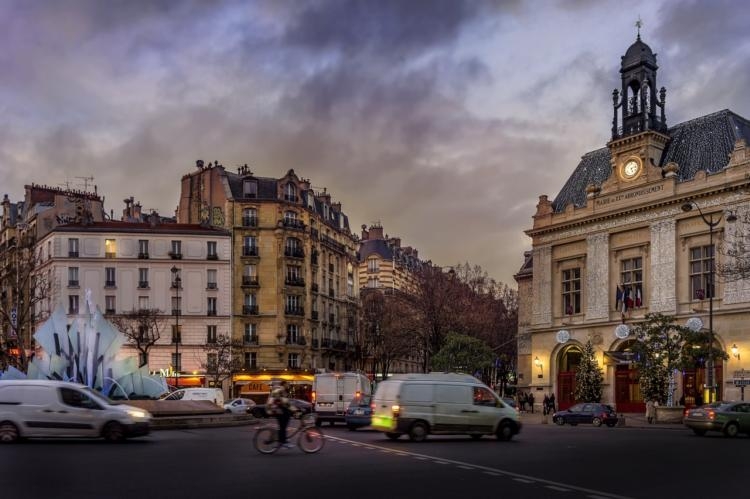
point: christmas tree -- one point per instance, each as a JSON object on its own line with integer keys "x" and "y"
{"x": 589, "y": 377}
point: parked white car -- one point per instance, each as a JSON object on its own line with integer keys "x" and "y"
{"x": 214, "y": 395}
{"x": 239, "y": 406}
{"x": 46, "y": 408}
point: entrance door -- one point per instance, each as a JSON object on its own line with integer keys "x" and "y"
{"x": 693, "y": 385}
{"x": 566, "y": 386}
{"x": 627, "y": 389}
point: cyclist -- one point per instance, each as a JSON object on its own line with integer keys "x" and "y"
{"x": 278, "y": 405}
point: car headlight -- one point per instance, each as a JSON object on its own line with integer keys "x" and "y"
{"x": 138, "y": 414}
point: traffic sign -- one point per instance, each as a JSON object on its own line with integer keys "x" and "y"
{"x": 741, "y": 382}
{"x": 13, "y": 317}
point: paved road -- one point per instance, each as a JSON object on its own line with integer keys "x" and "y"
{"x": 544, "y": 461}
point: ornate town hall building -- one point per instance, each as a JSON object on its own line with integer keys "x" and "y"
{"x": 617, "y": 243}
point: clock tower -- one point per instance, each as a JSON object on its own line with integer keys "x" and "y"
{"x": 639, "y": 124}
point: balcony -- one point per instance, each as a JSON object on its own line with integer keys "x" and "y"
{"x": 142, "y": 284}
{"x": 177, "y": 338}
{"x": 299, "y": 341}
{"x": 249, "y": 366}
{"x": 250, "y": 309}
{"x": 325, "y": 343}
{"x": 143, "y": 256}
{"x": 175, "y": 255}
{"x": 295, "y": 281}
{"x": 109, "y": 310}
{"x": 249, "y": 251}
{"x": 290, "y": 223}
{"x": 72, "y": 311}
{"x": 72, "y": 254}
{"x": 314, "y": 315}
{"x": 314, "y": 235}
{"x": 176, "y": 285}
{"x": 176, "y": 311}
{"x": 72, "y": 284}
{"x": 212, "y": 256}
{"x": 211, "y": 312}
{"x": 109, "y": 284}
{"x": 314, "y": 287}
{"x": 109, "y": 255}
{"x": 330, "y": 293}
{"x": 294, "y": 252}
{"x": 250, "y": 340}
{"x": 249, "y": 280}
{"x": 291, "y": 198}
{"x": 249, "y": 221}
{"x": 298, "y": 311}
{"x": 212, "y": 285}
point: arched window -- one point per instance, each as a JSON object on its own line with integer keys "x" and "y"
{"x": 290, "y": 192}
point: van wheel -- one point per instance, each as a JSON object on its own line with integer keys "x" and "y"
{"x": 113, "y": 432}
{"x": 392, "y": 436}
{"x": 504, "y": 431}
{"x": 8, "y": 432}
{"x": 418, "y": 432}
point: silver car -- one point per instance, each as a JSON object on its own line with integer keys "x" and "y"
{"x": 239, "y": 406}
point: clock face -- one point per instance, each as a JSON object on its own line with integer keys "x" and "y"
{"x": 631, "y": 168}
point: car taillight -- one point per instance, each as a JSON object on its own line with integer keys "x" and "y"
{"x": 711, "y": 414}
{"x": 396, "y": 410}
{"x": 686, "y": 413}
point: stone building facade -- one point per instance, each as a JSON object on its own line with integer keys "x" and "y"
{"x": 616, "y": 243}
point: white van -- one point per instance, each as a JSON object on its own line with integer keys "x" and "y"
{"x": 215, "y": 395}
{"x": 44, "y": 408}
{"x": 441, "y": 403}
{"x": 332, "y": 393}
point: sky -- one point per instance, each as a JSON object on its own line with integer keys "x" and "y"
{"x": 443, "y": 120}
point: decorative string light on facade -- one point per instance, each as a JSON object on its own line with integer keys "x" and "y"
{"x": 622, "y": 331}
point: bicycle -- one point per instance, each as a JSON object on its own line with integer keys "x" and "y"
{"x": 310, "y": 438}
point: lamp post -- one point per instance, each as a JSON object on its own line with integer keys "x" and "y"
{"x": 176, "y": 282}
{"x": 712, "y": 223}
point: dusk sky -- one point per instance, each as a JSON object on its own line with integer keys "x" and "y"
{"x": 444, "y": 120}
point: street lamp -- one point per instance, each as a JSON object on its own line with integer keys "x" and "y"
{"x": 712, "y": 223}
{"x": 176, "y": 282}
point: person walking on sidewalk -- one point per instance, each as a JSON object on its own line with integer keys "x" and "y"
{"x": 531, "y": 402}
{"x": 552, "y": 403}
{"x": 650, "y": 411}
{"x": 545, "y": 405}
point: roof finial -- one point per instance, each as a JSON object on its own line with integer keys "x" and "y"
{"x": 639, "y": 25}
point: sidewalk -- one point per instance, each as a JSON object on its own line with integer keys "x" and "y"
{"x": 631, "y": 420}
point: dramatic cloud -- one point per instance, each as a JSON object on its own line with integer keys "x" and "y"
{"x": 442, "y": 119}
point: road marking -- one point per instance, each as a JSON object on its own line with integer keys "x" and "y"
{"x": 598, "y": 494}
{"x": 491, "y": 473}
{"x": 555, "y": 487}
{"x": 420, "y": 458}
{"x": 523, "y": 480}
{"x": 466, "y": 467}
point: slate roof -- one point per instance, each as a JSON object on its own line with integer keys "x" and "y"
{"x": 700, "y": 144}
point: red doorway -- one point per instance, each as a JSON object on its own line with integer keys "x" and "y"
{"x": 628, "y": 396}
{"x": 566, "y": 387}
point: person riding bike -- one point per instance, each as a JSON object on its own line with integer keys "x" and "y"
{"x": 278, "y": 405}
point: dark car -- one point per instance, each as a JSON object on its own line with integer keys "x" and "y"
{"x": 359, "y": 412}
{"x": 587, "y": 413}
{"x": 730, "y": 418}
{"x": 305, "y": 407}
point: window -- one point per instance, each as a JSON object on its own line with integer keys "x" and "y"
{"x": 630, "y": 290}
{"x": 250, "y": 188}
{"x": 250, "y": 275}
{"x": 109, "y": 304}
{"x": 293, "y": 274}
{"x": 212, "y": 362}
{"x": 73, "y": 304}
{"x": 143, "y": 302}
{"x": 76, "y": 398}
{"x": 142, "y": 248}
{"x": 176, "y": 305}
{"x": 290, "y": 192}
{"x": 250, "y": 336}
{"x": 372, "y": 264}
{"x": 250, "y": 306}
{"x": 293, "y": 361}
{"x": 701, "y": 272}
{"x": 250, "y": 217}
{"x": 176, "y": 252}
{"x": 250, "y": 246}
{"x": 176, "y": 361}
{"x": 571, "y": 291}
{"x": 293, "y": 302}
{"x": 293, "y": 247}
{"x": 211, "y": 305}
{"x": 211, "y": 279}
{"x": 350, "y": 280}
{"x": 110, "y": 248}
{"x": 210, "y": 334}
{"x": 176, "y": 333}
{"x": 292, "y": 334}
{"x": 73, "y": 276}
{"x": 290, "y": 217}
{"x": 73, "y": 248}
{"x": 251, "y": 360}
{"x": 211, "y": 250}
{"x": 109, "y": 277}
{"x": 142, "y": 278}
{"x": 372, "y": 282}
{"x": 483, "y": 396}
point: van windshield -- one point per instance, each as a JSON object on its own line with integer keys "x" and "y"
{"x": 97, "y": 396}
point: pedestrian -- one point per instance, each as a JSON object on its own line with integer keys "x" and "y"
{"x": 650, "y": 411}
{"x": 531, "y": 402}
{"x": 545, "y": 404}
{"x": 552, "y": 403}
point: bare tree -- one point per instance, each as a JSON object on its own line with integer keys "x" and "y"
{"x": 25, "y": 291}
{"x": 223, "y": 359}
{"x": 142, "y": 328}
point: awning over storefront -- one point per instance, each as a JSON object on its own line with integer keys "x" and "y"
{"x": 620, "y": 358}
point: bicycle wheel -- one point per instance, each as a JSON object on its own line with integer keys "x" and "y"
{"x": 311, "y": 439}
{"x": 266, "y": 440}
